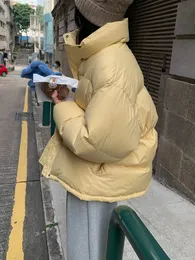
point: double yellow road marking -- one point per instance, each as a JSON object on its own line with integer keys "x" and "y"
{"x": 15, "y": 247}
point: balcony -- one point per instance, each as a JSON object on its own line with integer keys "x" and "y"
{"x": 3, "y": 45}
{"x": 2, "y": 18}
{"x": 3, "y": 31}
{"x": 9, "y": 22}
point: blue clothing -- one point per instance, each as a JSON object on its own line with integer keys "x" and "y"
{"x": 37, "y": 67}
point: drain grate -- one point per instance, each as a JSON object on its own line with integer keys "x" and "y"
{"x": 24, "y": 116}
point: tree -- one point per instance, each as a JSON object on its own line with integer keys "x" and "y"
{"x": 39, "y": 13}
{"x": 22, "y": 14}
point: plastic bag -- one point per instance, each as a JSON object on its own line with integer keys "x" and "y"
{"x": 61, "y": 80}
{"x": 48, "y": 84}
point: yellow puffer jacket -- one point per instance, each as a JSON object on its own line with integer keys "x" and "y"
{"x": 106, "y": 141}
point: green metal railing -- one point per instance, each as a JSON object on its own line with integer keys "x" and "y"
{"x": 47, "y": 117}
{"x": 53, "y": 125}
{"x": 46, "y": 113}
{"x": 125, "y": 222}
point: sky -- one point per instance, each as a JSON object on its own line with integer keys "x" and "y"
{"x": 40, "y": 2}
{"x": 33, "y": 2}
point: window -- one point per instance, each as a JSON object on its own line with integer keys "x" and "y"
{"x": 2, "y": 24}
{"x": 2, "y": 38}
{"x": 2, "y": 11}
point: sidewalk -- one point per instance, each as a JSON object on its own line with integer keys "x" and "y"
{"x": 168, "y": 216}
{"x": 171, "y": 220}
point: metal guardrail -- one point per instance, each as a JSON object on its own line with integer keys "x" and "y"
{"x": 47, "y": 117}
{"x": 46, "y": 113}
{"x": 48, "y": 106}
{"x": 53, "y": 125}
{"x": 125, "y": 222}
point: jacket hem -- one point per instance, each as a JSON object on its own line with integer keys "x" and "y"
{"x": 97, "y": 198}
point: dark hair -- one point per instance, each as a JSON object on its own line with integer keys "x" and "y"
{"x": 57, "y": 63}
{"x": 85, "y": 27}
{"x": 47, "y": 62}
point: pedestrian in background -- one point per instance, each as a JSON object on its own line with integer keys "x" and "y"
{"x": 105, "y": 141}
{"x": 57, "y": 66}
{"x": 29, "y": 59}
{"x": 48, "y": 64}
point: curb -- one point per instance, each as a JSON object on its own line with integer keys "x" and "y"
{"x": 54, "y": 245}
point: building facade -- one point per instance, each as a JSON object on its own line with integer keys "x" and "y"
{"x": 48, "y": 31}
{"x": 63, "y": 14}
{"x": 7, "y": 31}
{"x": 163, "y": 41}
{"x": 176, "y": 105}
{"x": 162, "y": 38}
{"x": 3, "y": 43}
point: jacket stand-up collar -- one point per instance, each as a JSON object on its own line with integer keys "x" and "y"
{"x": 105, "y": 36}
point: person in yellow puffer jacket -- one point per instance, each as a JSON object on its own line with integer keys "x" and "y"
{"x": 105, "y": 142}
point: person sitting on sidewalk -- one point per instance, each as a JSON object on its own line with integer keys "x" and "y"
{"x": 105, "y": 140}
{"x": 57, "y": 66}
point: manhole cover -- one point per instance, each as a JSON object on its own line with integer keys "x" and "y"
{"x": 24, "y": 116}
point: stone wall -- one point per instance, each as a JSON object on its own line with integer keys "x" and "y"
{"x": 175, "y": 163}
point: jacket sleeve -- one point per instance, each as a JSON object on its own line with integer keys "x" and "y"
{"x": 106, "y": 132}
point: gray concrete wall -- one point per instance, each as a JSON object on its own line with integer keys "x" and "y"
{"x": 175, "y": 163}
{"x": 185, "y": 18}
{"x": 183, "y": 58}
{"x": 183, "y": 55}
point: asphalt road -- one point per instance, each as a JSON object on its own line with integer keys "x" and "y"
{"x": 22, "y": 227}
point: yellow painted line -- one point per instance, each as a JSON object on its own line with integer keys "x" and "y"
{"x": 26, "y": 101}
{"x": 22, "y": 162}
{"x": 15, "y": 247}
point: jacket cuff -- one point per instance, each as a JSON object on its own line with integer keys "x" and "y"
{"x": 65, "y": 111}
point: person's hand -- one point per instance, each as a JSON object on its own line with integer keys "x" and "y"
{"x": 55, "y": 98}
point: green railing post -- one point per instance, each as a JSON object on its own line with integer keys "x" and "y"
{"x": 36, "y": 98}
{"x": 46, "y": 113}
{"x": 53, "y": 126}
{"x": 116, "y": 239}
{"x": 125, "y": 222}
